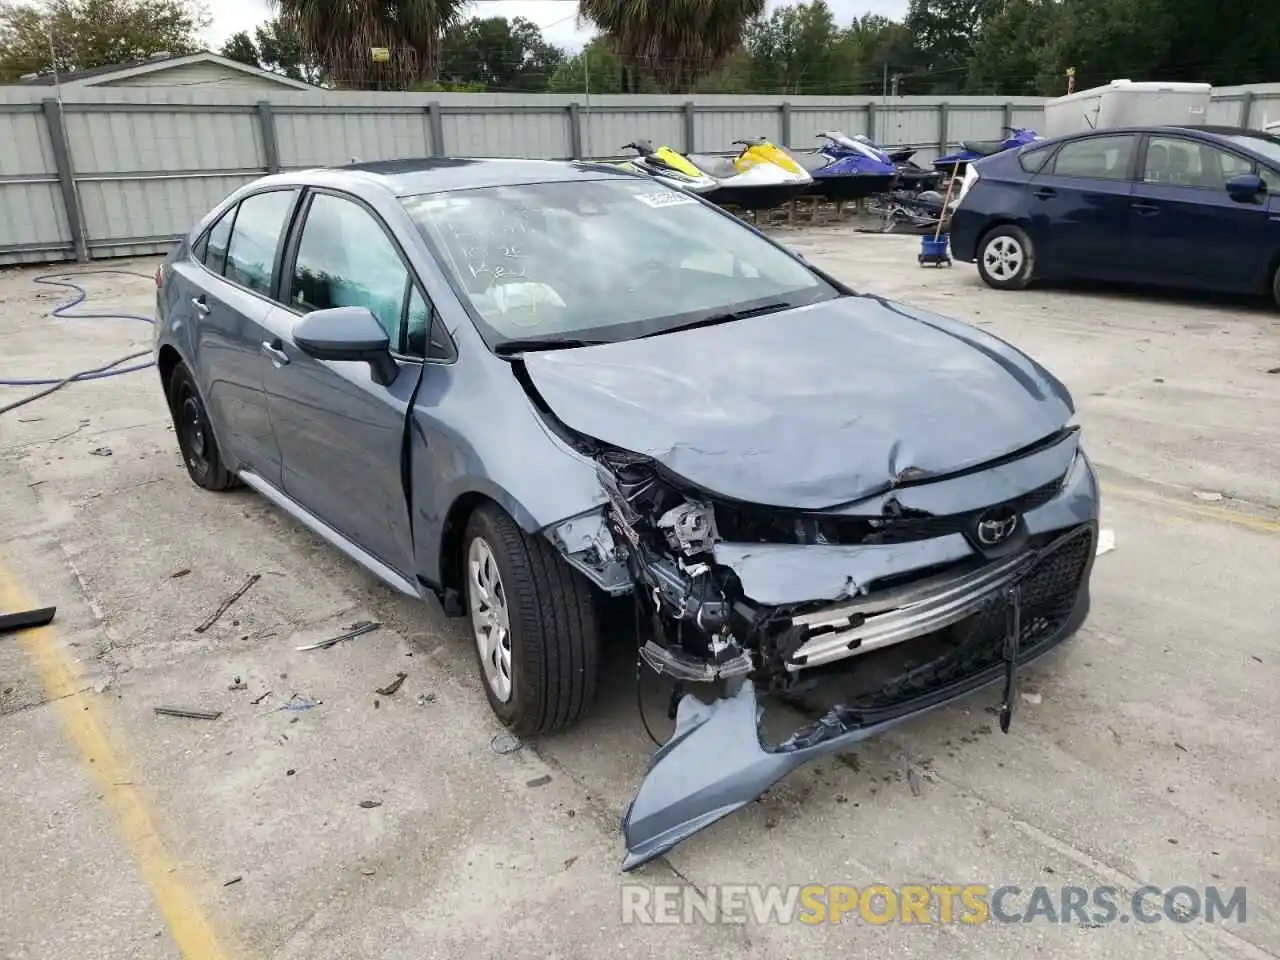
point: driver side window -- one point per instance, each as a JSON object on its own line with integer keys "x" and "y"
{"x": 346, "y": 259}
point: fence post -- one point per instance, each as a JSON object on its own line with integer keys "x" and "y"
{"x": 784, "y": 123}
{"x": 942, "y": 128}
{"x": 1246, "y": 107}
{"x": 871, "y": 121}
{"x": 436, "y": 125}
{"x": 1008, "y": 116}
{"x": 66, "y": 177}
{"x": 689, "y": 130}
{"x": 270, "y": 145}
{"x": 575, "y": 131}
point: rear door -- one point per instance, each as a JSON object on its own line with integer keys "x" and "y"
{"x": 1079, "y": 206}
{"x": 1185, "y": 226}
{"x": 227, "y": 290}
{"x": 341, "y": 434}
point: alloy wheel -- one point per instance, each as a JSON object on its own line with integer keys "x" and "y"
{"x": 1003, "y": 258}
{"x": 489, "y": 617}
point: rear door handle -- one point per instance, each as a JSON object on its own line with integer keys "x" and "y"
{"x": 275, "y": 350}
{"x": 201, "y": 306}
{"x": 1044, "y": 193}
{"x": 1146, "y": 209}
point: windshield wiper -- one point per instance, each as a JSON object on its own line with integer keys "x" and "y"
{"x": 727, "y": 317}
{"x": 529, "y": 344}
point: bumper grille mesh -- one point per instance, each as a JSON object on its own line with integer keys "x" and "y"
{"x": 1049, "y": 593}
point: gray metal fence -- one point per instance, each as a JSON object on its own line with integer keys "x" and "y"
{"x": 123, "y": 172}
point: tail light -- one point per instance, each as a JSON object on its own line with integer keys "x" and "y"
{"x": 969, "y": 178}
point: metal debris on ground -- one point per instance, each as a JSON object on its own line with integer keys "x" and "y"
{"x": 913, "y": 781}
{"x": 299, "y": 702}
{"x": 393, "y": 686}
{"x": 541, "y": 781}
{"x": 258, "y": 699}
{"x": 1106, "y": 542}
{"x": 570, "y": 862}
{"x": 238, "y": 684}
{"x": 370, "y": 804}
{"x": 100, "y": 452}
{"x": 232, "y": 880}
{"x": 368, "y": 871}
{"x": 188, "y": 714}
{"x": 1208, "y": 496}
{"x": 26, "y": 619}
{"x": 179, "y": 573}
{"x": 425, "y": 698}
{"x": 355, "y": 630}
{"x": 504, "y": 743}
{"x": 226, "y": 604}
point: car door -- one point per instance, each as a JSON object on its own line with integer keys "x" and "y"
{"x": 226, "y": 289}
{"x": 341, "y": 434}
{"x": 1185, "y": 225}
{"x": 1079, "y": 206}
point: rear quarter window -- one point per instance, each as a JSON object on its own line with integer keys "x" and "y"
{"x": 1033, "y": 160}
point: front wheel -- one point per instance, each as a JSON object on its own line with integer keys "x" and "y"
{"x": 1006, "y": 258}
{"x": 535, "y": 624}
{"x": 1275, "y": 286}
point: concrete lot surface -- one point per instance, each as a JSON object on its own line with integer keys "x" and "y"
{"x": 1143, "y": 752}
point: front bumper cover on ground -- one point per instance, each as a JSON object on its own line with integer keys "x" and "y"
{"x": 715, "y": 764}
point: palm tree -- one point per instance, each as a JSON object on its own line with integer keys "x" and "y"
{"x": 341, "y": 35}
{"x": 673, "y": 41}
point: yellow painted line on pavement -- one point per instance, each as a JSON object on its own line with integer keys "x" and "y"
{"x": 84, "y": 726}
{"x": 1221, "y": 514}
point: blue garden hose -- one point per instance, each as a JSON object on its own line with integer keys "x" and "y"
{"x": 112, "y": 369}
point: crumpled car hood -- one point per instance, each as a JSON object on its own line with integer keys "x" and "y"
{"x": 810, "y": 408}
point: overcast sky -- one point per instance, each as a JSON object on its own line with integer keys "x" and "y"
{"x": 555, "y": 17}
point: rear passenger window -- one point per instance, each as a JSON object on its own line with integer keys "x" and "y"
{"x": 1033, "y": 161}
{"x": 251, "y": 254}
{"x": 346, "y": 259}
{"x": 212, "y": 248}
{"x": 1102, "y": 158}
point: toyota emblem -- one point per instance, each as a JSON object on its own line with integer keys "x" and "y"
{"x": 993, "y": 531}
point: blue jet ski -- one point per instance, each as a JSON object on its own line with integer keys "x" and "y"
{"x": 845, "y": 168}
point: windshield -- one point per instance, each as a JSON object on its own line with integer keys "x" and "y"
{"x": 1260, "y": 145}
{"x": 602, "y": 260}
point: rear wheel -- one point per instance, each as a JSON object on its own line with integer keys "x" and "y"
{"x": 1006, "y": 258}
{"x": 535, "y": 625}
{"x": 195, "y": 436}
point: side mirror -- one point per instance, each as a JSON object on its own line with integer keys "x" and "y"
{"x": 347, "y": 333}
{"x": 1246, "y": 188}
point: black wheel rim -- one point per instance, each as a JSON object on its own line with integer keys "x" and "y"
{"x": 193, "y": 433}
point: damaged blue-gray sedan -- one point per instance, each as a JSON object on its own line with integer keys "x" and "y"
{"x": 516, "y": 389}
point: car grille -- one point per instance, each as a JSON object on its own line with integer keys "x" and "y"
{"x": 1049, "y": 592}
{"x": 753, "y": 525}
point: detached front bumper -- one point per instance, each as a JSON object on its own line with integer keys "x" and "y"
{"x": 715, "y": 764}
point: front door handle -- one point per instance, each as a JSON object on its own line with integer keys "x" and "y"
{"x": 1146, "y": 209}
{"x": 201, "y": 306}
{"x": 275, "y": 350}
{"x": 1044, "y": 193}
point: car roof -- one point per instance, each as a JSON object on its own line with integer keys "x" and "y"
{"x": 406, "y": 178}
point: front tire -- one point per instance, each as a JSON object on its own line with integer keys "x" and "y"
{"x": 1006, "y": 258}
{"x": 1275, "y": 286}
{"x": 199, "y": 448}
{"x": 535, "y": 626}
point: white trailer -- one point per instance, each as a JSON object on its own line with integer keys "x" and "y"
{"x": 1124, "y": 103}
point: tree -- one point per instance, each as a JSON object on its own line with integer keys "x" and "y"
{"x": 675, "y": 42}
{"x": 94, "y": 33}
{"x": 794, "y": 50}
{"x": 276, "y": 48}
{"x": 595, "y": 70}
{"x": 945, "y": 33}
{"x": 497, "y": 54}
{"x": 340, "y": 37}
{"x": 1017, "y": 53}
